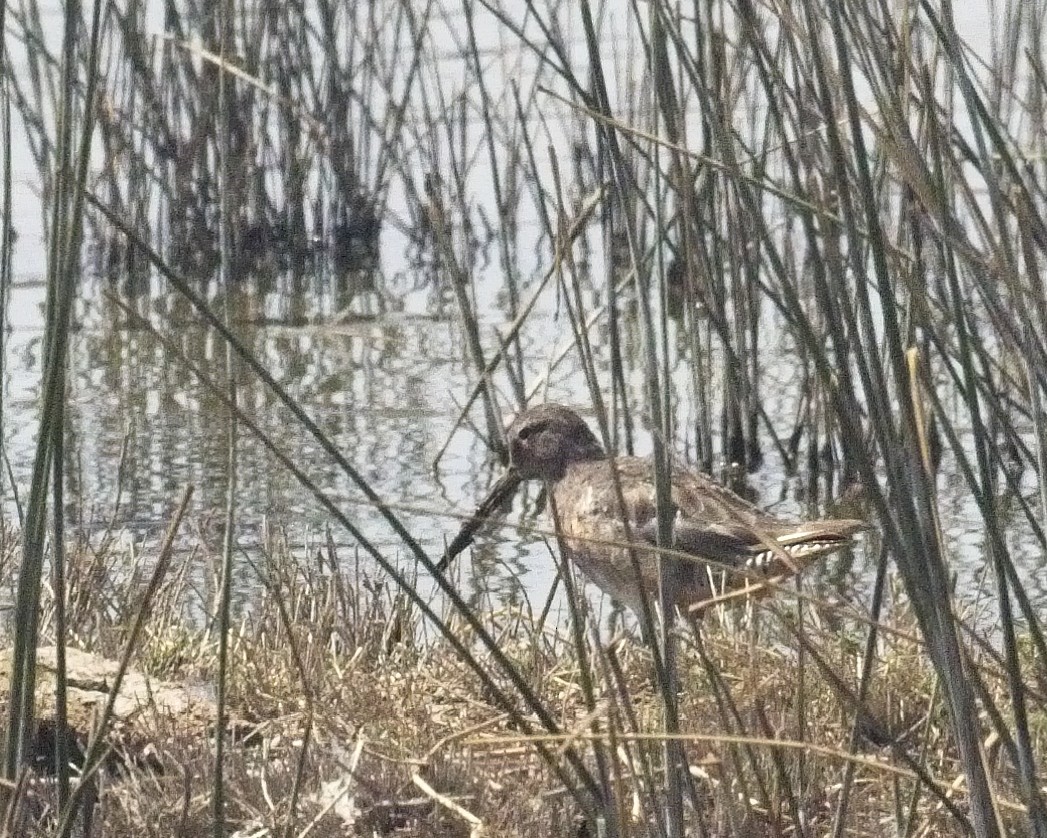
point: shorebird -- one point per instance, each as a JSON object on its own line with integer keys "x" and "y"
{"x": 719, "y": 542}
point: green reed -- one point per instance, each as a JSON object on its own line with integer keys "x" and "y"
{"x": 854, "y": 305}
{"x": 69, "y": 178}
{"x": 839, "y": 181}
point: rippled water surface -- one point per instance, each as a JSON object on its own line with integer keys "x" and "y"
{"x": 378, "y": 359}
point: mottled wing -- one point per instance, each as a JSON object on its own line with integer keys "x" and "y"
{"x": 714, "y": 542}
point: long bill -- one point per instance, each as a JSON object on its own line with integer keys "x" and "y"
{"x": 501, "y": 491}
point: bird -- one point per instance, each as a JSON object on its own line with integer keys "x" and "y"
{"x": 719, "y": 543}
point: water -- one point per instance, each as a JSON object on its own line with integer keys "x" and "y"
{"x": 380, "y": 367}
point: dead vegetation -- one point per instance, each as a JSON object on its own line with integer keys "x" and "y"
{"x": 363, "y": 721}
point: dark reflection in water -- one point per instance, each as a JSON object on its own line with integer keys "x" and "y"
{"x": 377, "y": 374}
{"x": 340, "y": 282}
{"x": 366, "y": 381}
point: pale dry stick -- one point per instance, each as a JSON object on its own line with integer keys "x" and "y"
{"x": 316, "y": 128}
{"x": 454, "y": 736}
{"x": 728, "y": 738}
{"x": 476, "y": 826}
{"x": 754, "y": 588}
{"x": 705, "y": 160}
{"x": 626, "y": 759}
{"x": 354, "y": 761}
{"x": 263, "y": 775}
{"x": 763, "y": 185}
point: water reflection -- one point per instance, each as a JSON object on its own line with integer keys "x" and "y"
{"x": 344, "y": 244}
{"x": 380, "y": 382}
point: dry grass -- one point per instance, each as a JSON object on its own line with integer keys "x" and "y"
{"x": 353, "y": 693}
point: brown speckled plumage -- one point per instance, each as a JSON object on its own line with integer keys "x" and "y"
{"x": 716, "y": 527}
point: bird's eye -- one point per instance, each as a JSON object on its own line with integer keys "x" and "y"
{"x": 530, "y": 430}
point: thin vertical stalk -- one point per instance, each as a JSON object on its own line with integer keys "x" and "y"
{"x": 226, "y": 285}
{"x": 868, "y": 658}
{"x": 58, "y": 581}
{"x": 63, "y": 269}
{"x": 658, "y": 394}
{"x": 6, "y": 238}
{"x": 504, "y": 250}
